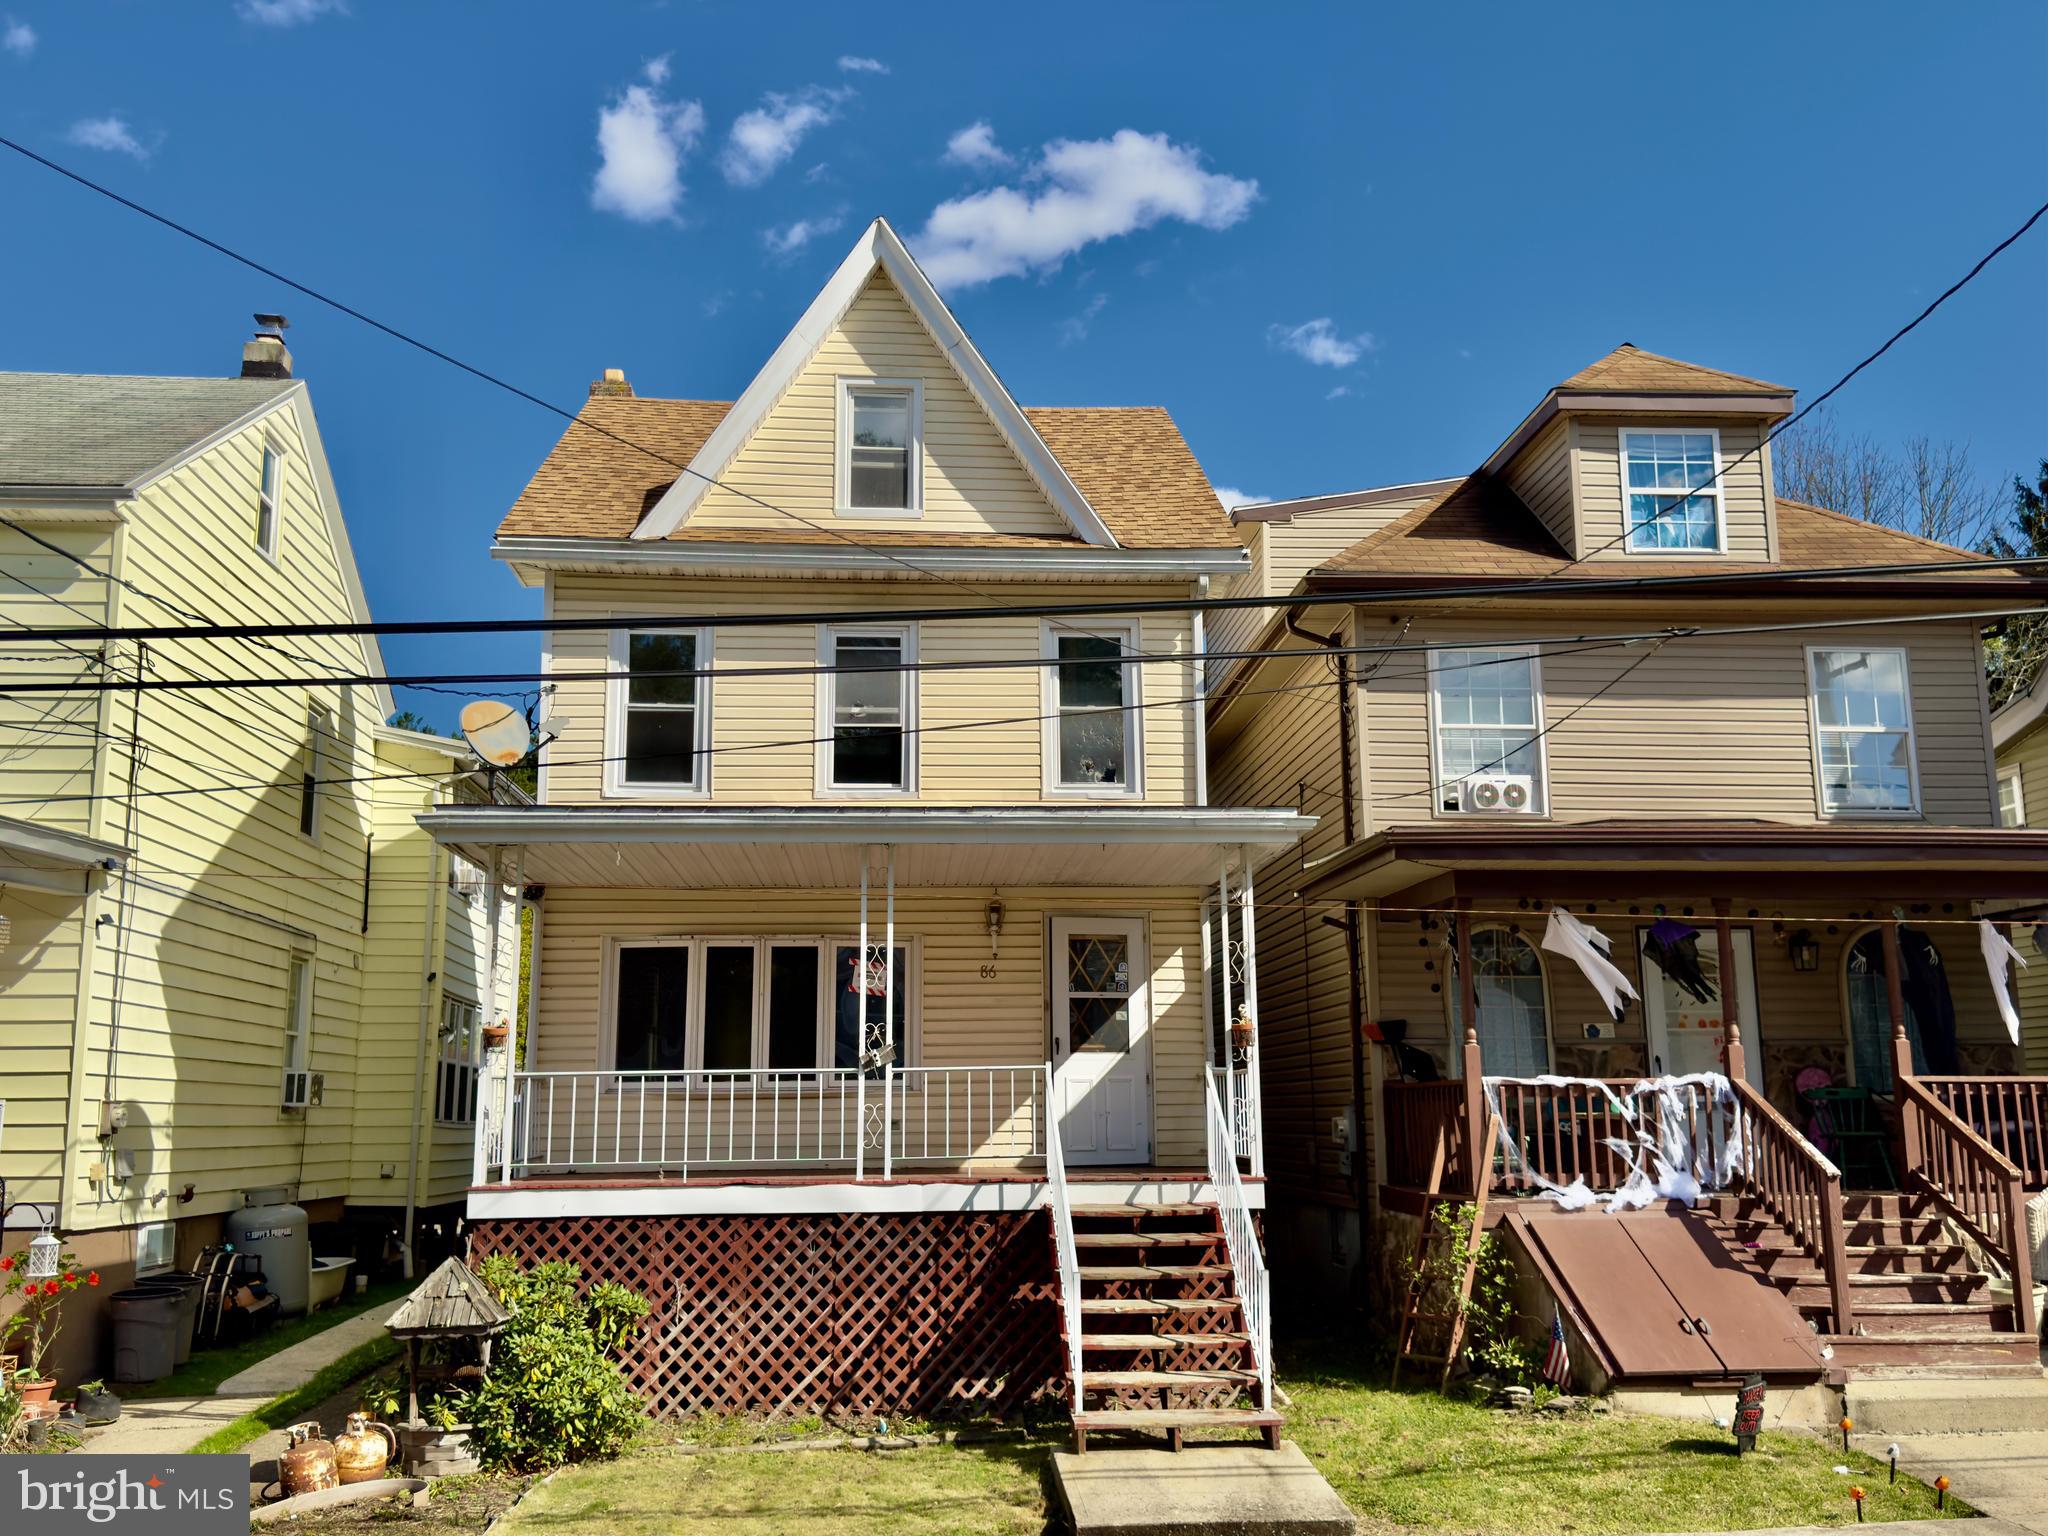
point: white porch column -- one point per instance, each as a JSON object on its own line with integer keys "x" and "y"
{"x": 1255, "y": 1117}
{"x": 1223, "y": 926}
{"x": 490, "y": 991}
{"x": 860, "y": 1031}
{"x": 888, "y": 1014}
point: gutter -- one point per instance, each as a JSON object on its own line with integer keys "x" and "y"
{"x": 683, "y": 555}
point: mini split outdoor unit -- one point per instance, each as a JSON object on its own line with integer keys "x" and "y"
{"x": 1506, "y": 794}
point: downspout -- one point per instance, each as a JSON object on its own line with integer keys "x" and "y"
{"x": 430, "y": 972}
{"x": 1198, "y": 705}
{"x": 1354, "y": 956}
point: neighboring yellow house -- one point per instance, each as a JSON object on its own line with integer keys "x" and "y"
{"x": 225, "y": 966}
{"x": 828, "y": 1172}
{"x": 2019, "y": 735}
{"x": 1601, "y": 673}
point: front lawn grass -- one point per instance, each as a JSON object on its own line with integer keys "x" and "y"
{"x": 202, "y": 1375}
{"x": 292, "y": 1406}
{"x": 1406, "y": 1459}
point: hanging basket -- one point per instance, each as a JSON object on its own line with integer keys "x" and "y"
{"x": 496, "y": 1035}
{"x": 1242, "y": 1034}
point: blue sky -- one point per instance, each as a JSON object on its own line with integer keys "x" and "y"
{"x": 1345, "y": 246}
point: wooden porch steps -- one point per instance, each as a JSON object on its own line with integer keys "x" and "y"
{"x": 1163, "y": 1338}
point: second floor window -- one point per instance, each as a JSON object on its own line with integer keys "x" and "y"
{"x": 1674, "y": 493}
{"x": 1488, "y": 709}
{"x": 869, "y": 699}
{"x": 269, "y": 499}
{"x": 879, "y": 453}
{"x": 1863, "y": 727}
{"x": 1092, "y": 709}
{"x": 2012, "y": 800}
{"x": 661, "y": 713}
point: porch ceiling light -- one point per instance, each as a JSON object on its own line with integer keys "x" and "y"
{"x": 43, "y": 1254}
{"x": 995, "y": 926}
{"x": 1805, "y": 951}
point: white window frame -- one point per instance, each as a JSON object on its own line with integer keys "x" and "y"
{"x": 619, "y": 655}
{"x": 2012, "y": 775}
{"x": 156, "y": 1247}
{"x": 1129, "y": 633}
{"x": 318, "y": 732}
{"x": 457, "y": 1057}
{"x": 1820, "y": 785}
{"x": 1712, "y": 489}
{"x": 465, "y": 880}
{"x": 842, "y": 458}
{"x": 298, "y": 1032}
{"x": 1454, "y": 997}
{"x": 270, "y": 497}
{"x": 827, "y": 693}
{"x": 826, "y": 944}
{"x": 1438, "y": 782}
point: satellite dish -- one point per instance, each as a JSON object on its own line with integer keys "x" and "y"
{"x": 496, "y": 732}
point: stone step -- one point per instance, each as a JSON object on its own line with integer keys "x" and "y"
{"x": 1947, "y": 1405}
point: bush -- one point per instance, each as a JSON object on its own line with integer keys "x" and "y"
{"x": 554, "y": 1393}
{"x": 1492, "y": 1344}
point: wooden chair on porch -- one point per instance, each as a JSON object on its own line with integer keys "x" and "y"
{"x": 1848, "y": 1121}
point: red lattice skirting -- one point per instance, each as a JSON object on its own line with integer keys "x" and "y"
{"x": 840, "y": 1315}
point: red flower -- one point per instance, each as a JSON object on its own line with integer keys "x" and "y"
{"x": 49, "y": 1287}
{"x": 93, "y": 1278}
{"x": 5, "y": 1265}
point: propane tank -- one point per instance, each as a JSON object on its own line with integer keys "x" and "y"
{"x": 307, "y": 1464}
{"x": 364, "y": 1449}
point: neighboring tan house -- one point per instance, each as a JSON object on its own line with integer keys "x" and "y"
{"x": 872, "y": 916}
{"x": 1466, "y": 709}
{"x": 221, "y": 971}
{"x": 2019, "y": 735}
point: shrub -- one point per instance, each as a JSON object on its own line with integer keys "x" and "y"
{"x": 1492, "y": 1345}
{"x": 554, "y": 1393}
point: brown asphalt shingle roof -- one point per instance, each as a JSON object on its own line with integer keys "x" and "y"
{"x": 1130, "y": 462}
{"x": 1481, "y": 528}
{"x": 1630, "y": 370}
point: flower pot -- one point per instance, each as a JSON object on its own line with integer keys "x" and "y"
{"x": 37, "y": 1391}
{"x": 37, "y": 1433}
{"x": 496, "y": 1034}
{"x": 98, "y": 1407}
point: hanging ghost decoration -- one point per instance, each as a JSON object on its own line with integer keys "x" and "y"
{"x": 1673, "y": 947}
{"x": 1999, "y": 955}
{"x": 1588, "y": 948}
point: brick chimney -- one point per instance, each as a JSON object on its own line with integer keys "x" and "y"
{"x": 264, "y": 355}
{"x": 614, "y": 382}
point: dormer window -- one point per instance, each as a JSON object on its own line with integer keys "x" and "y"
{"x": 1674, "y": 492}
{"x": 881, "y": 431}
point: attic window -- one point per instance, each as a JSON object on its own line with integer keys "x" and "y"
{"x": 1674, "y": 492}
{"x": 881, "y": 431}
{"x": 268, "y": 492}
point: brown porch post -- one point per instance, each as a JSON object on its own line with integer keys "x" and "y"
{"x": 1475, "y": 1088}
{"x": 1731, "y": 1009}
{"x": 1902, "y": 1045}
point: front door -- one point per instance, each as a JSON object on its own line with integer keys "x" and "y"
{"x": 1102, "y": 1039}
{"x": 1687, "y": 1035}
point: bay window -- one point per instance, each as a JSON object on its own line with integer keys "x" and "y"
{"x": 1863, "y": 731}
{"x": 658, "y": 715}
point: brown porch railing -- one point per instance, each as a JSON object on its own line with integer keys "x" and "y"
{"x": 2011, "y": 1113}
{"x": 1979, "y": 1187}
{"x": 1802, "y": 1189}
{"x": 1416, "y": 1114}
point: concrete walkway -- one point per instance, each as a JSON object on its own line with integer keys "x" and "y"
{"x": 163, "y": 1426}
{"x": 1230, "y": 1490}
{"x": 2005, "y": 1475}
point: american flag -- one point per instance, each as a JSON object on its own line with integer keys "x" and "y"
{"x": 1557, "y": 1365}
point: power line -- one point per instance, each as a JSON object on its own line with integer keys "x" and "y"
{"x": 1004, "y": 663}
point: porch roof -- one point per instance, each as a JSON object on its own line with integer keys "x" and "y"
{"x": 1704, "y": 856}
{"x": 49, "y": 859}
{"x": 776, "y": 847}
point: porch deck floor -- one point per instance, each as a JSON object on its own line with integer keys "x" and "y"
{"x": 1122, "y": 1173}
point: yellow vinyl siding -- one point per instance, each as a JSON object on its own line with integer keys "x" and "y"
{"x": 1716, "y": 726}
{"x": 763, "y": 752}
{"x": 1541, "y": 475}
{"x": 51, "y": 741}
{"x": 2030, "y": 753}
{"x": 962, "y": 1018}
{"x": 39, "y": 997}
{"x": 1745, "y": 490}
{"x": 1287, "y": 754}
{"x": 973, "y": 482}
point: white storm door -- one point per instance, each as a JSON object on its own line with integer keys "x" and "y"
{"x": 1687, "y": 1035}
{"x": 1102, "y": 1039}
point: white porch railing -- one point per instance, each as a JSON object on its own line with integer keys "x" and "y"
{"x": 677, "y": 1122}
{"x": 1066, "y": 1251}
{"x": 1254, "y": 1288}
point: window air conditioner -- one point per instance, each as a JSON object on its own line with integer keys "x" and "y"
{"x": 1504, "y": 794}
{"x": 297, "y": 1090}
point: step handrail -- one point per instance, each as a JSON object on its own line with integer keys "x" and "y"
{"x": 1241, "y": 1239}
{"x": 1975, "y": 1185}
{"x": 1803, "y": 1189}
{"x": 1066, "y": 1252}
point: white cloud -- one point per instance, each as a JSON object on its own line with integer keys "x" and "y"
{"x": 642, "y": 141}
{"x": 110, "y": 133}
{"x": 975, "y": 146}
{"x": 1080, "y": 192}
{"x": 761, "y": 140}
{"x": 289, "y": 13}
{"x": 855, "y": 64}
{"x": 1074, "y": 329}
{"x": 1232, "y": 497}
{"x": 791, "y": 238}
{"x": 1317, "y": 341}
{"x": 1339, "y": 393}
{"x": 18, "y": 37}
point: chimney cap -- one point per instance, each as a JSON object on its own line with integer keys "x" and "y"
{"x": 614, "y": 382}
{"x": 272, "y": 325}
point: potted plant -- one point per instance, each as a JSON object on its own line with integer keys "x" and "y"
{"x": 496, "y": 1034}
{"x": 96, "y": 1405}
{"x": 40, "y": 1316}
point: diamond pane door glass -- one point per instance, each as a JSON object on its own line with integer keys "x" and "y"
{"x": 1098, "y": 992}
